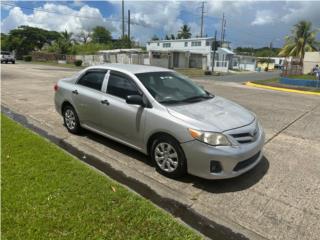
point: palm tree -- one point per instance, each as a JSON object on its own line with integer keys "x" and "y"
{"x": 64, "y": 43}
{"x": 184, "y": 32}
{"x": 303, "y": 39}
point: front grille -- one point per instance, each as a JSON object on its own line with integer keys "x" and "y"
{"x": 245, "y": 137}
{"x": 246, "y": 163}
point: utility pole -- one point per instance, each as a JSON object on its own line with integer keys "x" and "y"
{"x": 129, "y": 25}
{"x": 202, "y": 13}
{"x": 122, "y": 18}
{"x": 214, "y": 46}
{"x": 222, "y": 29}
{"x": 270, "y": 47}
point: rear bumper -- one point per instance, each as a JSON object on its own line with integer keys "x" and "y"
{"x": 234, "y": 160}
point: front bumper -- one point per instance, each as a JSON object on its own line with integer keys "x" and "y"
{"x": 234, "y": 160}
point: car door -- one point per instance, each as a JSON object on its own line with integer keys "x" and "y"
{"x": 119, "y": 119}
{"x": 87, "y": 96}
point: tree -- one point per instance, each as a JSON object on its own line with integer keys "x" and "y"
{"x": 4, "y": 42}
{"x": 64, "y": 43}
{"x": 173, "y": 37}
{"x": 302, "y": 39}
{"x": 184, "y": 32}
{"x": 101, "y": 35}
{"x": 155, "y": 38}
{"x": 84, "y": 36}
{"x": 167, "y": 37}
{"x": 25, "y": 39}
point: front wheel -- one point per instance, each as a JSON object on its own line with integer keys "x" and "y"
{"x": 71, "y": 120}
{"x": 168, "y": 157}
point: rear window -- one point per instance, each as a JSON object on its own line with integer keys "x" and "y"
{"x": 93, "y": 79}
{"x": 5, "y": 53}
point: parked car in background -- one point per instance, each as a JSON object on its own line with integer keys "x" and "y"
{"x": 7, "y": 57}
{"x": 182, "y": 127}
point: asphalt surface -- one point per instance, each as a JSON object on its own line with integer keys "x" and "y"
{"x": 243, "y": 77}
{"x": 279, "y": 199}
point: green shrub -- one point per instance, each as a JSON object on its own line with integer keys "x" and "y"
{"x": 27, "y": 58}
{"x": 78, "y": 63}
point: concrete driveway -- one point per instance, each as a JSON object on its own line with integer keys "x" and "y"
{"x": 279, "y": 199}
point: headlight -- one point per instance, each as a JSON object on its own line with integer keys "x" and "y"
{"x": 211, "y": 138}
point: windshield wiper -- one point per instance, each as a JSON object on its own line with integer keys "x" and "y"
{"x": 170, "y": 101}
{"x": 195, "y": 98}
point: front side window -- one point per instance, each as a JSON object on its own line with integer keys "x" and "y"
{"x": 171, "y": 87}
{"x": 121, "y": 85}
{"x": 92, "y": 79}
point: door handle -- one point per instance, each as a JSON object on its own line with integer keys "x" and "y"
{"x": 75, "y": 92}
{"x": 105, "y": 101}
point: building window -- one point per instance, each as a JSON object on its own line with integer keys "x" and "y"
{"x": 186, "y": 44}
{"x": 166, "y": 45}
{"x": 155, "y": 55}
{"x": 208, "y": 43}
{"x": 196, "y": 44}
{"x": 158, "y": 44}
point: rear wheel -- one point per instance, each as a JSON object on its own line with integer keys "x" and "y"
{"x": 168, "y": 157}
{"x": 71, "y": 120}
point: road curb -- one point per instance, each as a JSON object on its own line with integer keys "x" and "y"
{"x": 280, "y": 89}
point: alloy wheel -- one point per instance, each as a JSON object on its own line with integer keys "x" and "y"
{"x": 166, "y": 157}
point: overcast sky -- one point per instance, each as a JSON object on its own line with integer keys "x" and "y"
{"x": 249, "y": 23}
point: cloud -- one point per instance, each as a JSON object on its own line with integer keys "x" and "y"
{"x": 302, "y": 10}
{"x": 264, "y": 17}
{"x": 159, "y": 17}
{"x": 57, "y": 17}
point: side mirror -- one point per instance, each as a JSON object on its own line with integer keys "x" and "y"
{"x": 135, "y": 100}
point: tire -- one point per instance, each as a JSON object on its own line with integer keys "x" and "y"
{"x": 71, "y": 120}
{"x": 168, "y": 157}
{"x": 13, "y": 62}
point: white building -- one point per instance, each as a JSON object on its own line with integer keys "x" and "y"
{"x": 189, "y": 53}
{"x": 244, "y": 63}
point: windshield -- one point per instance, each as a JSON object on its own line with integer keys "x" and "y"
{"x": 170, "y": 87}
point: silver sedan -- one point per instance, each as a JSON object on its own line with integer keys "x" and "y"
{"x": 182, "y": 127}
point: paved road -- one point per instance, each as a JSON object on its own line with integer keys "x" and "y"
{"x": 279, "y": 199}
{"x": 243, "y": 77}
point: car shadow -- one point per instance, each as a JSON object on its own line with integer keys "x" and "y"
{"x": 239, "y": 183}
{"x": 117, "y": 146}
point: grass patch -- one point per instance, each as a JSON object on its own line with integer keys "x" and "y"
{"x": 191, "y": 72}
{"x": 56, "y": 64}
{"x": 48, "y": 194}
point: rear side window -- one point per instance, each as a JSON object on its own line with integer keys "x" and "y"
{"x": 92, "y": 79}
{"x": 121, "y": 86}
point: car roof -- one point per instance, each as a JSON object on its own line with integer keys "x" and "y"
{"x": 132, "y": 68}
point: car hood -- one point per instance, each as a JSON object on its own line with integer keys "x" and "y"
{"x": 217, "y": 114}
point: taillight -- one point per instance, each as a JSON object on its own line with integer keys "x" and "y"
{"x": 56, "y": 87}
